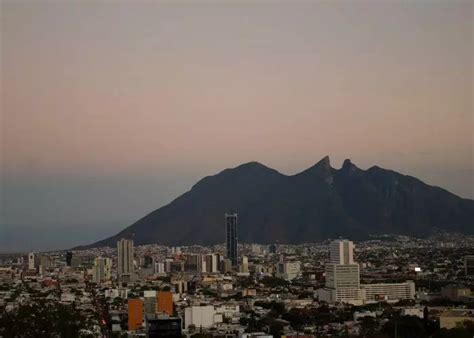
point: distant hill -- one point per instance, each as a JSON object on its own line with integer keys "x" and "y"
{"x": 318, "y": 203}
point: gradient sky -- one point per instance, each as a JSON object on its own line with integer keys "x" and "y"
{"x": 111, "y": 109}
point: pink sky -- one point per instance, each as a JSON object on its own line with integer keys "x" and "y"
{"x": 96, "y": 88}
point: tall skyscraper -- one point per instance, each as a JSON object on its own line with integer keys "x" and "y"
{"x": 231, "y": 238}
{"x": 125, "y": 268}
{"x": 342, "y": 273}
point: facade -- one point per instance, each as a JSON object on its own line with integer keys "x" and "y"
{"x": 102, "y": 270}
{"x": 125, "y": 252}
{"x": 231, "y": 238}
{"x": 469, "y": 265}
{"x": 165, "y": 302}
{"x": 135, "y": 314}
{"x": 201, "y": 316}
{"x": 388, "y": 291}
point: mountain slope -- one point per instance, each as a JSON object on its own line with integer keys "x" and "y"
{"x": 318, "y": 203}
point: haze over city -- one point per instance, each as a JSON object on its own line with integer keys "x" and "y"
{"x": 111, "y": 110}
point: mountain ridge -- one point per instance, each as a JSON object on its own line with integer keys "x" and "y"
{"x": 314, "y": 204}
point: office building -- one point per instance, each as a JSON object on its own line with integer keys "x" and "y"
{"x": 231, "y": 238}
{"x": 388, "y": 291}
{"x": 342, "y": 275}
{"x": 165, "y": 302}
{"x": 162, "y": 326}
{"x": 125, "y": 268}
{"x": 102, "y": 270}
{"x": 469, "y": 265}
{"x": 193, "y": 263}
{"x": 135, "y": 314}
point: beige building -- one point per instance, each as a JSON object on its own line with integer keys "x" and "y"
{"x": 455, "y": 318}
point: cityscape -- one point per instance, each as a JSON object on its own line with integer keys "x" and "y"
{"x": 237, "y": 168}
{"x": 387, "y": 286}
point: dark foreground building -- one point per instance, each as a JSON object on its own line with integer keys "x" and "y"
{"x": 231, "y": 238}
{"x": 162, "y": 326}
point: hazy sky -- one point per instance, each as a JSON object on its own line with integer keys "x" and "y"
{"x": 111, "y": 109}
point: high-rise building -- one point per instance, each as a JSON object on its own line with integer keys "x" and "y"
{"x": 125, "y": 269}
{"x": 165, "y": 302}
{"x": 231, "y": 238}
{"x": 32, "y": 261}
{"x": 102, "y": 270}
{"x": 135, "y": 314}
{"x": 68, "y": 258}
{"x": 342, "y": 273}
{"x": 212, "y": 263}
{"x": 469, "y": 265}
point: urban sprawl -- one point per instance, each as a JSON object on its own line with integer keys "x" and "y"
{"x": 388, "y": 286}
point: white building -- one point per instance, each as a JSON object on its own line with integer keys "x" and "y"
{"x": 342, "y": 275}
{"x": 201, "y": 316}
{"x": 388, "y": 291}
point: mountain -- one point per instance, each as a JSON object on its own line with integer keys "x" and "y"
{"x": 318, "y": 203}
